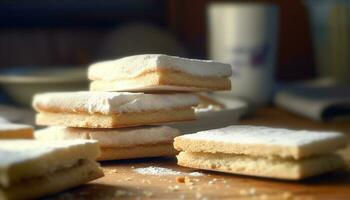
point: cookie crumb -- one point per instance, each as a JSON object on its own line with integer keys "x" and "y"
{"x": 114, "y": 171}
{"x": 180, "y": 179}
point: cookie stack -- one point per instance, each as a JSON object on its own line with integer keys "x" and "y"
{"x": 127, "y": 96}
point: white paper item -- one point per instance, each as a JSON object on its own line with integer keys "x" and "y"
{"x": 316, "y": 101}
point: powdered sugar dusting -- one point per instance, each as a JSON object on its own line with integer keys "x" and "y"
{"x": 133, "y": 66}
{"x": 243, "y": 134}
{"x": 161, "y": 171}
{"x": 196, "y": 174}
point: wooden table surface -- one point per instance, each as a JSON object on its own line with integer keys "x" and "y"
{"x": 122, "y": 182}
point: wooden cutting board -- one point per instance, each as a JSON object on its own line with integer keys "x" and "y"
{"x": 122, "y": 181}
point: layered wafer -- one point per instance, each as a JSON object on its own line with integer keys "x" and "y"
{"x": 157, "y": 72}
{"x": 30, "y": 169}
{"x": 123, "y": 143}
{"x": 262, "y": 151}
{"x": 112, "y": 109}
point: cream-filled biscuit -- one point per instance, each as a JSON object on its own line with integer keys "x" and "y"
{"x": 31, "y": 169}
{"x": 262, "y": 141}
{"x": 124, "y": 143}
{"x": 112, "y": 109}
{"x": 157, "y": 72}
{"x": 262, "y": 151}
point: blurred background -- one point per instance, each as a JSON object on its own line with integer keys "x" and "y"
{"x": 78, "y": 32}
{"x": 47, "y": 45}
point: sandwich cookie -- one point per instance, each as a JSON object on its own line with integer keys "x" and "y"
{"x": 262, "y": 151}
{"x": 112, "y": 109}
{"x": 15, "y": 131}
{"x": 125, "y": 143}
{"x": 30, "y": 169}
{"x": 157, "y": 72}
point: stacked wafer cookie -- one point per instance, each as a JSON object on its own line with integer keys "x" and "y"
{"x": 127, "y": 96}
{"x": 262, "y": 151}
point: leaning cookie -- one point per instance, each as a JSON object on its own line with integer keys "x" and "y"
{"x": 112, "y": 109}
{"x": 30, "y": 169}
{"x": 157, "y": 72}
{"x": 262, "y": 151}
{"x": 15, "y": 131}
{"x": 116, "y": 144}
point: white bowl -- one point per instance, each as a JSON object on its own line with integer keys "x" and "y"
{"x": 22, "y": 83}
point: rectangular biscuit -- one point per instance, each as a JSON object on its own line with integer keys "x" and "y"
{"x": 54, "y": 182}
{"x": 112, "y": 109}
{"x": 15, "y": 131}
{"x": 125, "y": 143}
{"x": 261, "y": 141}
{"x": 114, "y": 120}
{"x": 30, "y": 169}
{"x": 157, "y": 72}
{"x": 112, "y": 138}
{"x": 24, "y": 159}
{"x": 262, "y": 166}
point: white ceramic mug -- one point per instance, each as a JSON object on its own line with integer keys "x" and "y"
{"x": 245, "y": 35}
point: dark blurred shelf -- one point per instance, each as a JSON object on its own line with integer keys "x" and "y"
{"x": 89, "y": 13}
